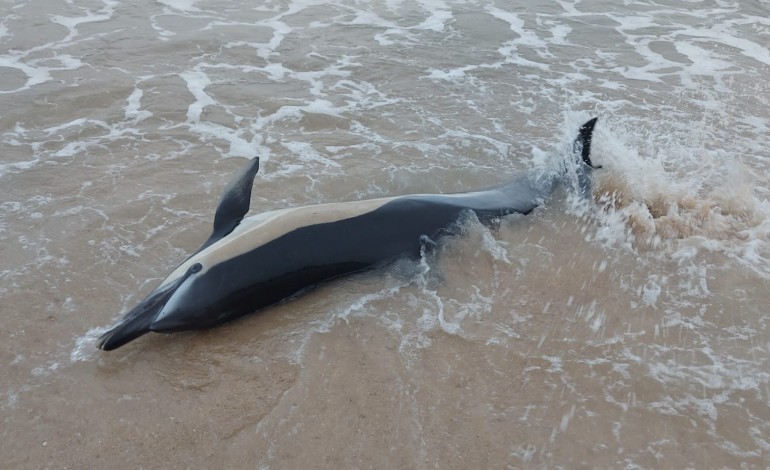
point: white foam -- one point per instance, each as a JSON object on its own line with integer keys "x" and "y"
{"x": 181, "y": 5}
{"x": 306, "y": 152}
{"x": 722, "y": 34}
{"x": 440, "y": 14}
{"x": 43, "y": 371}
{"x": 133, "y": 110}
{"x": 35, "y": 74}
{"x": 72, "y": 23}
{"x": 650, "y": 292}
{"x": 527, "y": 36}
{"x": 6, "y": 168}
{"x": 85, "y": 346}
{"x": 197, "y": 81}
{"x": 359, "y": 307}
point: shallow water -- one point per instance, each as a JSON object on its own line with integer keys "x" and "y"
{"x": 629, "y": 331}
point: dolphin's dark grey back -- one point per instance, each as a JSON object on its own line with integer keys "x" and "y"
{"x": 521, "y": 196}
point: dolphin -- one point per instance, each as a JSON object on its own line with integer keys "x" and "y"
{"x": 251, "y": 263}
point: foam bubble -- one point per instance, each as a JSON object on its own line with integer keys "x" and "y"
{"x": 181, "y": 5}
{"x": 85, "y": 349}
{"x": 699, "y": 202}
{"x": 440, "y": 14}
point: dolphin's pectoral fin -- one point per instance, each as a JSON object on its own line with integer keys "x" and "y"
{"x": 235, "y": 201}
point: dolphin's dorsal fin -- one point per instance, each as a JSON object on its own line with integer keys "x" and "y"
{"x": 235, "y": 201}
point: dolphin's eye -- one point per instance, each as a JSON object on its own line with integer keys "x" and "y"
{"x": 195, "y": 268}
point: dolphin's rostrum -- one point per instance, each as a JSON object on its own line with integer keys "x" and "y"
{"x": 251, "y": 263}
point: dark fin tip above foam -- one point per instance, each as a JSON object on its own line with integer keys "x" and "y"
{"x": 583, "y": 142}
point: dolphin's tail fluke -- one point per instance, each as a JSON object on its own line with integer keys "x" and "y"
{"x": 583, "y": 142}
{"x": 583, "y": 166}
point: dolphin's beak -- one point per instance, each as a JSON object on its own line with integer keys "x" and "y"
{"x": 137, "y": 322}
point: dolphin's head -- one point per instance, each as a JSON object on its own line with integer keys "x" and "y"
{"x": 195, "y": 303}
{"x": 180, "y": 302}
{"x": 137, "y": 322}
{"x": 211, "y": 287}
